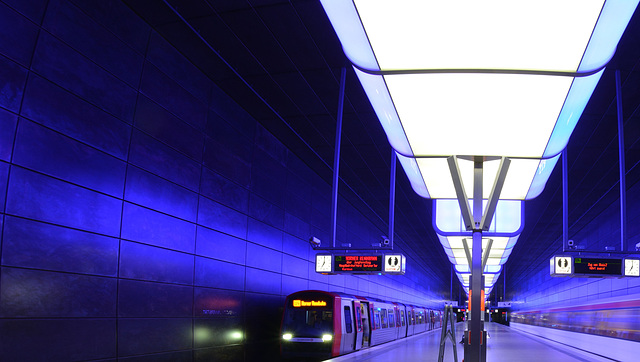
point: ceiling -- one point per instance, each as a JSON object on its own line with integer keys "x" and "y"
{"x": 281, "y": 61}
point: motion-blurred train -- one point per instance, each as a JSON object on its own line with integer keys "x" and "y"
{"x": 327, "y": 324}
{"x": 613, "y": 317}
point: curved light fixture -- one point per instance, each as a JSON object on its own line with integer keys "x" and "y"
{"x": 479, "y": 78}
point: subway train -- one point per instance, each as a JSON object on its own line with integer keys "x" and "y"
{"x": 613, "y": 317}
{"x": 319, "y": 324}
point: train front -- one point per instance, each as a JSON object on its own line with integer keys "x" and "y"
{"x": 308, "y": 325}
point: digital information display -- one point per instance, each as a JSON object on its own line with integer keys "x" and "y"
{"x": 597, "y": 266}
{"x": 357, "y": 263}
{"x": 361, "y": 264}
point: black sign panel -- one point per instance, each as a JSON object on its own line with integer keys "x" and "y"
{"x": 357, "y": 263}
{"x": 597, "y": 266}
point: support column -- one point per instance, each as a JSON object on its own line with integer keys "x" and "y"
{"x": 623, "y": 184}
{"x": 565, "y": 201}
{"x": 336, "y": 160}
{"x": 392, "y": 197}
{"x": 475, "y": 327}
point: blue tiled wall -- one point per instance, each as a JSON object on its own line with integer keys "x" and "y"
{"x": 539, "y": 290}
{"x": 144, "y": 214}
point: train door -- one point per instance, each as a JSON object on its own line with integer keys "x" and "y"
{"x": 366, "y": 324}
{"x": 359, "y": 327}
{"x": 349, "y": 327}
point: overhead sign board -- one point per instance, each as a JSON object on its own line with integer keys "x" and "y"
{"x": 597, "y": 266}
{"x": 561, "y": 265}
{"x": 504, "y": 304}
{"x": 360, "y": 264}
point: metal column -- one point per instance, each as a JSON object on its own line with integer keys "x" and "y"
{"x": 336, "y": 160}
{"x": 565, "y": 201}
{"x": 475, "y": 328}
{"x": 392, "y": 197}
{"x": 623, "y": 186}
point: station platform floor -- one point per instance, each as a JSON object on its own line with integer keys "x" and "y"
{"x": 504, "y": 344}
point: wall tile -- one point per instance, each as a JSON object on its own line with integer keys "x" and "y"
{"x": 271, "y": 189}
{"x": 164, "y": 126}
{"x": 120, "y": 19}
{"x": 43, "y": 198}
{"x": 146, "y": 262}
{"x": 13, "y": 79}
{"x": 295, "y": 266}
{"x": 220, "y": 353}
{"x": 31, "y": 244}
{"x": 218, "y": 303}
{"x": 64, "y": 66}
{"x": 261, "y": 281}
{"x": 151, "y": 227}
{"x": 292, "y": 284}
{"x": 263, "y": 234}
{"x": 60, "y": 110}
{"x": 158, "y": 158}
{"x": 262, "y": 210}
{"x": 4, "y": 179}
{"x": 219, "y": 274}
{"x": 221, "y": 189}
{"x": 32, "y": 293}
{"x": 146, "y": 299}
{"x": 167, "y": 59}
{"x": 49, "y": 152}
{"x": 149, "y": 190}
{"x": 180, "y": 356}
{"x": 152, "y": 335}
{"x": 227, "y": 109}
{"x": 217, "y": 332}
{"x": 8, "y": 123}
{"x": 296, "y": 246}
{"x": 264, "y": 258}
{"x": 78, "y": 339}
{"x": 266, "y": 141}
{"x": 18, "y": 37}
{"x": 226, "y": 136}
{"x": 224, "y": 162}
{"x": 77, "y": 29}
{"x": 297, "y": 227}
{"x": 170, "y": 95}
{"x": 219, "y": 217}
{"x": 220, "y": 246}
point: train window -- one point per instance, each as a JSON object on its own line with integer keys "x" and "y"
{"x": 392, "y": 322}
{"x": 383, "y": 314}
{"x": 402, "y": 317}
{"x": 308, "y": 323}
{"x": 398, "y": 318}
{"x": 376, "y": 319}
{"x": 356, "y": 308}
{"x": 347, "y": 319}
{"x": 419, "y": 318}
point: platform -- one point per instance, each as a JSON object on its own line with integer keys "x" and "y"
{"x": 505, "y": 344}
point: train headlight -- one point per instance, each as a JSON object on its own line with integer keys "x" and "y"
{"x": 287, "y": 336}
{"x": 326, "y": 337}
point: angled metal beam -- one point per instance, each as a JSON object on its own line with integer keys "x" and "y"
{"x": 486, "y": 253}
{"x": 495, "y": 193}
{"x": 466, "y": 251}
{"x": 467, "y": 217}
